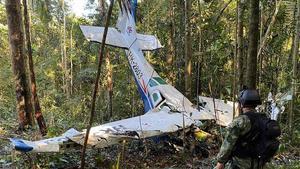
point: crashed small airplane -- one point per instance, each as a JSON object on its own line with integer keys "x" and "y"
{"x": 166, "y": 109}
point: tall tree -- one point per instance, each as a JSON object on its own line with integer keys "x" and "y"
{"x": 171, "y": 42}
{"x": 71, "y": 59}
{"x": 95, "y": 91}
{"x": 261, "y": 31}
{"x": 109, "y": 75}
{"x": 171, "y": 33}
{"x": 109, "y": 83}
{"x": 199, "y": 55}
{"x": 28, "y": 95}
{"x": 38, "y": 112}
{"x": 295, "y": 55}
{"x": 240, "y": 36}
{"x": 179, "y": 39}
{"x": 65, "y": 59}
{"x": 253, "y": 44}
{"x": 16, "y": 40}
{"x": 188, "y": 49}
{"x": 102, "y": 10}
{"x": 263, "y": 40}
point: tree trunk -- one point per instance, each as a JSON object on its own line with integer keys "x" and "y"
{"x": 188, "y": 49}
{"x": 295, "y": 55}
{"x": 171, "y": 33}
{"x": 66, "y": 74}
{"x": 62, "y": 58}
{"x": 179, "y": 40}
{"x": 265, "y": 38}
{"x": 263, "y": 41}
{"x": 260, "y": 57}
{"x": 171, "y": 43}
{"x": 92, "y": 116}
{"x": 102, "y": 10}
{"x": 240, "y": 45}
{"x": 16, "y": 40}
{"x": 253, "y": 44}
{"x": 109, "y": 84}
{"x": 71, "y": 60}
{"x": 38, "y": 112}
{"x": 199, "y": 56}
{"x": 28, "y": 102}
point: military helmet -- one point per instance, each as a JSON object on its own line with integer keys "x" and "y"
{"x": 249, "y": 98}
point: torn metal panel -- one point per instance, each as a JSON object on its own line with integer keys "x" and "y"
{"x": 276, "y": 105}
{"x": 222, "y": 112}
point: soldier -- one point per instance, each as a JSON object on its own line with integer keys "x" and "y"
{"x": 232, "y": 153}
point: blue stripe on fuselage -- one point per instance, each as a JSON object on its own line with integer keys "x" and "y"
{"x": 146, "y": 100}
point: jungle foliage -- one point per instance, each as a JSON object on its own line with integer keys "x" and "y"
{"x": 65, "y": 80}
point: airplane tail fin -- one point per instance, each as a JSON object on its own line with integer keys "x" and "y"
{"x": 126, "y": 25}
{"x": 125, "y": 34}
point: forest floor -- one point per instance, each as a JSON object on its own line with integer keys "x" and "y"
{"x": 166, "y": 153}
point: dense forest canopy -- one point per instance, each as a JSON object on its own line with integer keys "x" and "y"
{"x": 206, "y": 45}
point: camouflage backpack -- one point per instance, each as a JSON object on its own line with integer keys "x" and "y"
{"x": 261, "y": 142}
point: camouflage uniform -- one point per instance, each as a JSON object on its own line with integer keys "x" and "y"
{"x": 239, "y": 127}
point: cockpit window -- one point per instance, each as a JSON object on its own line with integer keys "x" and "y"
{"x": 155, "y": 97}
{"x": 152, "y": 83}
{"x": 159, "y": 80}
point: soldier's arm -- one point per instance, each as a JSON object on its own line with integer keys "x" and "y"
{"x": 239, "y": 126}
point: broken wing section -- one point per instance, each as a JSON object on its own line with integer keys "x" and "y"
{"x": 148, "y": 42}
{"x": 95, "y": 33}
{"x": 219, "y": 109}
{"x": 154, "y": 123}
{"x": 46, "y": 145}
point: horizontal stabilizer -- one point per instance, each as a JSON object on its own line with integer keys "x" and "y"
{"x": 95, "y": 33}
{"x": 148, "y": 42}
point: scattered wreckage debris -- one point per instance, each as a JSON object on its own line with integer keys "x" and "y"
{"x": 154, "y": 123}
{"x": 143, "y": 153}
{"x": 157, "y": 152}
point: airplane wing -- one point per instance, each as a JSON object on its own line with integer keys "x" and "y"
{"x": 153, "y": 123}
{"x": 95, "y": 33}
{"x": 46, "y": 145}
